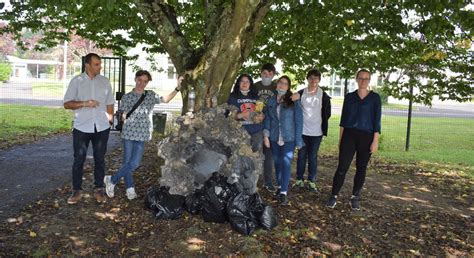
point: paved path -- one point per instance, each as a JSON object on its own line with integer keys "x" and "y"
{"x": 30, "y": 170}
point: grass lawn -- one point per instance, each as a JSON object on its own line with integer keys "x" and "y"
{"x": 444, "y": 141}
{"x": 52, "y": 89}
{"x": 21, "y": 123}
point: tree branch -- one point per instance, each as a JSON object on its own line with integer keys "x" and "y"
{"x": 162, "y": 18}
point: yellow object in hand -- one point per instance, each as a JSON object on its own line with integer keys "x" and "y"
{"x": 259, "y": 106}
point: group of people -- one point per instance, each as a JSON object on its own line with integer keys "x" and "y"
{"x": 288, "y": 121}
{"x": 300, "y": 120}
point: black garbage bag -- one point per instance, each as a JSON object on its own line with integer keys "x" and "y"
{"x": 216, "y": 193}
{"x": 241, "y": 217}
{"x": 194, "y": 201}
{"x": 268, "y": 219}
{"x": 154, "y": 196}
{"x": 164, "y": 204}
{"x": 248, "y": 212}
{"x": 171, "y": 207}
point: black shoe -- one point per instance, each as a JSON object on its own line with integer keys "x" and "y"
{"x": 269, "y": 188}
{"x": 355, "y": 203}
{"x": 277, "y": 192}
{"x": 283, "y": 199}
{"x": 331, "y": 203}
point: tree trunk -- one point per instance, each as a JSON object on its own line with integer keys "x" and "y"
{"x": 212, "y": 70}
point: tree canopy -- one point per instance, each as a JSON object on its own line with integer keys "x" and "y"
{"x": 421, "y": 43}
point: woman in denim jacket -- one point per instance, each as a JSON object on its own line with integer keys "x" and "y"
{"x": 283, "y": 126}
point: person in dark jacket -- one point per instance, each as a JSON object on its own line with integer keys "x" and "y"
{"x": 359, "y": 133}
{"x": 244, "y": 97}
{"x": 316, "y": 106}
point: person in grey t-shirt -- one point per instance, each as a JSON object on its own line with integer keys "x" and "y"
{"x": 91, "y": 98}
{"x": 266, "y": 89}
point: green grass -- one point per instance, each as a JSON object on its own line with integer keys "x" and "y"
{"x": 51, "y": 89}
{"x": 432, "y": 140}
{"x": 21, "y": 123}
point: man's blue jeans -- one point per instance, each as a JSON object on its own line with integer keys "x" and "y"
{"x": 99, "y": 146}
{"x": 308, "y": 153}
{"x": 283, "y": 156}
{"x": 132, "y": 156}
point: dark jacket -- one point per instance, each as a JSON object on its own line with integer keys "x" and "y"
{"x": 325, "y": 111}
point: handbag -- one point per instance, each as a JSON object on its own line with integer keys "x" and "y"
{"x": 119, "y": 114}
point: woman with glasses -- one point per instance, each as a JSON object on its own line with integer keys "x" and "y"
{"x": 359, "y": 134}
{"x": 283, "y": 126}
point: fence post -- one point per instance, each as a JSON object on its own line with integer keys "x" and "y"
{"x": 123, "y": 69}
{"x": 345, "y": 87}
{"x": 410, "y": 106}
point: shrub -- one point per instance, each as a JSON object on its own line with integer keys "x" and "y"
{"x": 5, "y": 71}
{"x": 384, "y": 93}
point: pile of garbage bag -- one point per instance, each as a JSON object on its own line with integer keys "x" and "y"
{"x": 217, "y": 201}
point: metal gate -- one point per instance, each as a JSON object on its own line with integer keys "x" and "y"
{"x": 114, "y": 69}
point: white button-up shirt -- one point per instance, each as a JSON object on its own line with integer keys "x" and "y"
{"x": 83, "y": 88}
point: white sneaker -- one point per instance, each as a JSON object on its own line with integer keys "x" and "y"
{"x": 109, "y": 187}
{"x": 131, "y": 193}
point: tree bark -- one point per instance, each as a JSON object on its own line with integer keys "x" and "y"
{"x": 212, "y": 70}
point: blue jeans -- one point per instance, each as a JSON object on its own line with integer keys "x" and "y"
{"x": 283, "y": 156}
{"x": 310, "y": 153}
{"x": 132, "y": 156}
{"x": 99, "y": 146}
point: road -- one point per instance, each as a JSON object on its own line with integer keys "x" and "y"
{"x": 31, "y": 170}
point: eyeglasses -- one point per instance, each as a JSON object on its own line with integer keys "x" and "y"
{"x": 363, "y": 79}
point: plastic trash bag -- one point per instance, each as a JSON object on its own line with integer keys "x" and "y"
{"x": 241, "y": 218}
{"x": 248, "y": 212}
{"x": 194, "y": 201}
{"x": 163, "y": 204}
{"x": 268, "y": 219}
{"x": 155, "y": 195}
{"x": 216, "y": 194}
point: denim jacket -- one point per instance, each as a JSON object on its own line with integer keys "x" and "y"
{"x": 291, "y": 122}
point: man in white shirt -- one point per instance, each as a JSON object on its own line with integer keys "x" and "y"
{"x": 91, "y": 98}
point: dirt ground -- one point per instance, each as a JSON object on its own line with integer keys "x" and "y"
{"x": 406, "y": 210}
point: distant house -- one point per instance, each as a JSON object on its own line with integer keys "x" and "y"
{"x": 33, "y": 69}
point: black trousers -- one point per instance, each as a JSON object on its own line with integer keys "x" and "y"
{"x": 99, "y": 145}
{"x": 353, "y": 141}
